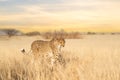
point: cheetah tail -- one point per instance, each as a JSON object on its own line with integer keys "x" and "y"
{"x": 24, "y": 51}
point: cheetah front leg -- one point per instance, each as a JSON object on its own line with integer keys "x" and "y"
{"x": 52, "y": 62}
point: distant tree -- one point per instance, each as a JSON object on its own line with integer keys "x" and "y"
{"x": 47, "y": 35}
{"x": 88, "y": 33}
{"x": 11, "y": 32}
{"x": 91, "y": 33}
{"x": 33, "y": 33}
{"x": 112, "y": 33}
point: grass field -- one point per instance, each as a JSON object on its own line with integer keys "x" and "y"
{"x": 95, "y": 57}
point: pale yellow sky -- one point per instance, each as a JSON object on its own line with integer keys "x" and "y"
{"x": 71, "y": 15}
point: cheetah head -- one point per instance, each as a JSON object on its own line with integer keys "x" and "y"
{"x": 59, "y": 41}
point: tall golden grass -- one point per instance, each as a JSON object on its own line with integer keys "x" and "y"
{"x": 25, "y": 69}
{"x": 88, "y": 63}
{"x": 91, "y": 67}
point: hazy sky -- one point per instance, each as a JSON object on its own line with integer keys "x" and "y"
{"x": 69, "y": 14}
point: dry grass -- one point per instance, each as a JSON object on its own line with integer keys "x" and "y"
{"x": 92, "y": 58}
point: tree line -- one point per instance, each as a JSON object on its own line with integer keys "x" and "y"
{"x": 47, "y": 35}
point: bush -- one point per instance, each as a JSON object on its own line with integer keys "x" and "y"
{"x": 33, "y": 33}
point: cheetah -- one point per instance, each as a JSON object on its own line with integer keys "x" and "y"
{"x": 50, "y": 50}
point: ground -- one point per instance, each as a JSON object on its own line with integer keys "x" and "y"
{"x": 94, "y": 57}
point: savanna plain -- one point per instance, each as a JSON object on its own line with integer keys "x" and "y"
{"x": 94, "y": 57}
